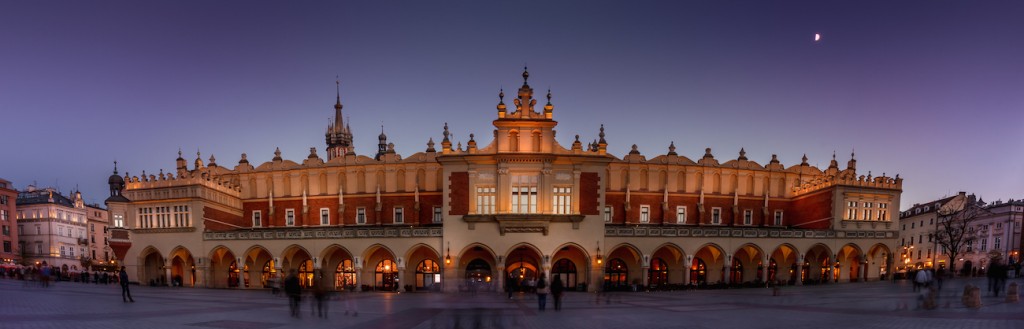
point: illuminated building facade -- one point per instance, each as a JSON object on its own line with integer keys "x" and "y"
{"x": 10, "y": 254}
{"x": 53, "y": 228}
{"x": 490, "y": 215}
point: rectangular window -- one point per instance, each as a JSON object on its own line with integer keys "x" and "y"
{"x": 970, "y": 245}
{"x": 562, "y": 202}
{"x": 984, "y": 244}
{"x": 118, "y": 221}
{"x": 881, "y": 215}
{"x": 716, "y": 215}
{"x": 607, "y": 214}
{"x": 39, "y": 249}
{"x": 645, "y": 213}
{"x": 524, "y": 194}
{"x": 681, "y": 214}
{"x": 360, "y": 215}
{"x": 437, "y": 214}
{"x": 257, "y": 218}
{"x": 868, "y": 205}
{"x": 3, "y": 199}
{"x": 867, "y": 214}
{"x": 748, "y": 217}
{"x": 3, "y": 214}
{"x": 995, "y": 245}
{"x": 7, "y": 246}
{"x": 399, "y": 215}
{"x": 778, "y": 218}
{"x": 21, "y": 229}
{"x": 485, "y": 196}
{"x": 325, "y": 216}
{"x": 7, "y": 230}
{"x": 289, "y": 217}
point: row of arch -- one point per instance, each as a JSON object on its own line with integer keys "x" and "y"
{"x": 478, "y": 266}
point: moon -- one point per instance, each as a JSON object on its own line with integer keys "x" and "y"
{"x": 817, "y": 37}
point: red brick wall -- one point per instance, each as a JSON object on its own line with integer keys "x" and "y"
{"x": 222, "y": 216}
{"x": 806, "y": 210}
{"x": 589, "y": 187}
{"x": 408, "y": 202}
{"x": 458, "y": 193}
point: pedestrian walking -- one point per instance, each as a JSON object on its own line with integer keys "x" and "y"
{"x": 293, "y": 289}
{"x": 557, "y": 288}
{"x": 921, "y": 280}
{"x": 320, "y": 295}
{"x": 542, "y": 292}
{"x": 126, "y": 295}
{"x": 351, "y": 307}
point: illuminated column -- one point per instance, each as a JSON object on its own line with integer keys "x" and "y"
{"x": 764, "y": 271}
{"x": 686, "y": 269}
{"x": 727, "y": 269}
{"x": 167, "y": 271}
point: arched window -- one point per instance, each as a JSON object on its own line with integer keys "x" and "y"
{"x": 616, "y": 275}
{"x": 427, "y": 274}
{"x": 306, "y": 273}
{"x": 658, "y": 273}
{"x": 269, "y": 272}
{"x": 385, "y": 275}
{"x": 565, "y": 269}
{"x": 698, "y": 272}
{"x": 513, "y": 141}
{"x": 345, "y": 275}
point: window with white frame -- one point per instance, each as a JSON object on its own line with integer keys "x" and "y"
{"x": 716, "y": 215}
{"x": 485, "y": 200}
{"x": 778, "y": 218}
{"x": 867, "y": 214}
{"x": 851, "y": 210}
{"x": 562, "y": 200}
{"x": 399, "y": 215}
{"x": 748, "y": 217}
{"x": 607, "y": 214}
{"x": 998, "y": 242}
{"x": 645, "y": 213}
{"x": 361, "y": 215}
{"x": 437, "y": 214}
{"x": 984, "y": 244}
{"x": 118, "y": 220}
{"x": 681, "y": 214}
{"x": 289, "y": 217}
{"x": 325, "y": 216}
{"x": 524, "y": 194}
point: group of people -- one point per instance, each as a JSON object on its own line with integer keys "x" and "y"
{"x": 925, "y": 278}
{"x": 293, "y": 290}
{"x": 556, "y": 289}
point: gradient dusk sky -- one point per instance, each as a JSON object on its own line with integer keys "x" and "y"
{"x": 931, "y": 90}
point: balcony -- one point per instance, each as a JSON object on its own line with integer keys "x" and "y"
{"x": 83, "y": 241}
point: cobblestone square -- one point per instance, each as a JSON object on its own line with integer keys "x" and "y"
{"x": 848, "y": 305}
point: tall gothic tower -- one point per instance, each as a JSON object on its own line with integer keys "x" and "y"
{"x": 339, "y": 135}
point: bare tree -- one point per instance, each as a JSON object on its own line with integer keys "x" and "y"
{"x": 953, "y": 231}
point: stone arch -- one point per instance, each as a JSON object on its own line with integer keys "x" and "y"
{"x": 422, "y": 268}
{"x": 662, "y": 180}
{"x": 183, "y": 267}
{"x": 474, "y": 263}
{"x": 748, "y": 264}
{"x": 782, "y": 264}
{"x": 674, "y": 271}
{"x": 880, "y": 262}
{"x": 224, "y": 268}
{"x": 260, "y": 267}
{"x": 623, "y": 267}
{"x": 681, "y": 182}
{"x": 818, "y": 264}
{"x": 523, "y": 262}
{"x": 337, "y": 267}
{"x": 297, "y": 258}
{"x": 571, "y": 263}
{"x": 380, "y": 268}
{"x": 513, "y": 140}
{"x": 400, "y": 180}
{"x": 716, "y": 183}
{"x": 644, "y": 180}
{"x": 152, "y": 266}
{"x": 850, "y": 260}
{"x": 708, "y": 265}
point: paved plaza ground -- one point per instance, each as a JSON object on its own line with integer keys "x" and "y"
{"x": 848, "y": 305}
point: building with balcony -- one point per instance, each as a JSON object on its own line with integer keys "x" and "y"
{"x": 917, "y": 244}
{"x": 489, "y": 214}
{"x": 52, "y": 228}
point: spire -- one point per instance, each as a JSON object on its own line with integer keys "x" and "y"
{"x": 852, "y": 164}
{"x": 430, "y": 145}
{"x": 803, "y": 161}
{"x": 833, "y": 164}
{"x": 526, "y": 75}
{"x": 501, "y": 104}
{"x": 277, "y": 154}
{"x": 672, "y": 148}
{"x": 743, "y": 154}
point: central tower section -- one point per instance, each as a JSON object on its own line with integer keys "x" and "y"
{"x": 524, "y": 130}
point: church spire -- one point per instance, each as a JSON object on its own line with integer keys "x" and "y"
{"x": 338, "y": 136}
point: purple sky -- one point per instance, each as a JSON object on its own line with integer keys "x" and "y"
{"x": 932, "y": 90}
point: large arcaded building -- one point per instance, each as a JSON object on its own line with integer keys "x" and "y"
{"x": 506, "y": 209}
